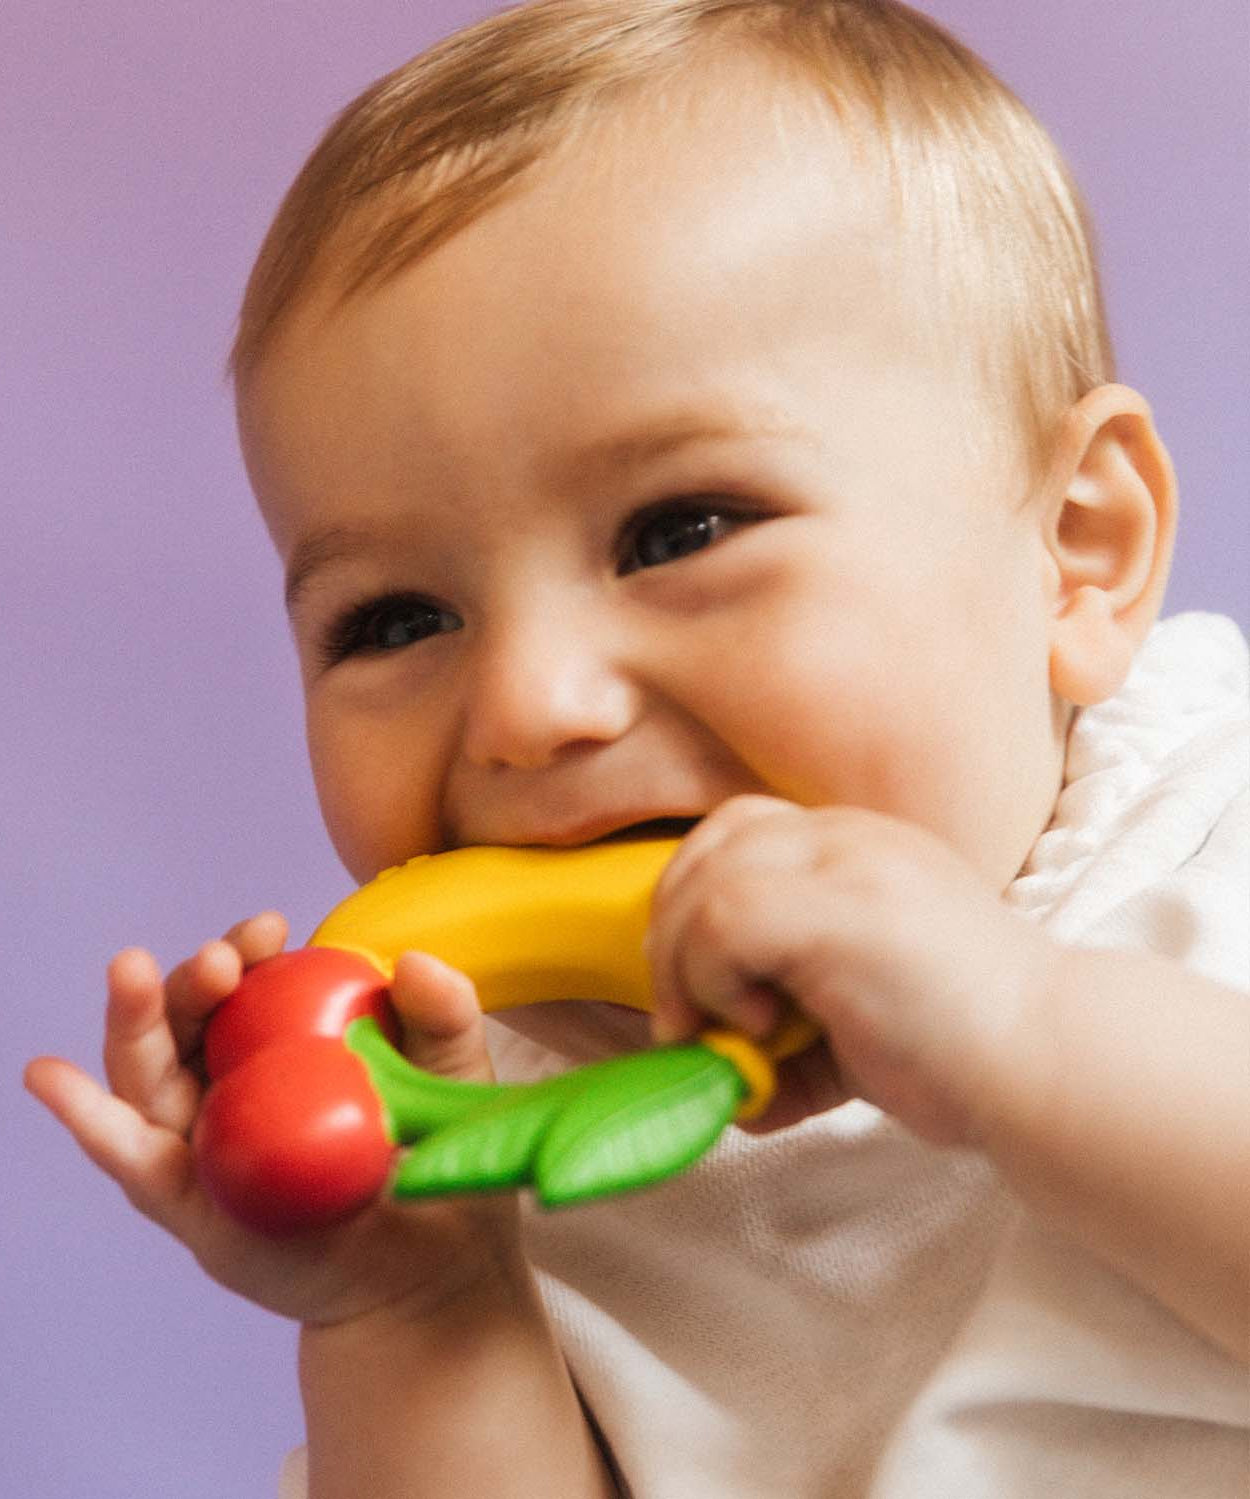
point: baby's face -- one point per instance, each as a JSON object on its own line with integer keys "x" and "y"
{"x": 641, "y": 492}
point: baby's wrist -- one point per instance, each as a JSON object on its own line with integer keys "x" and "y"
{"x": 1021, "y": 1116}
{"x": 488, "y": 1271}
{"x": 1014, "y": 1060}
{"x": 427, "y": 1322}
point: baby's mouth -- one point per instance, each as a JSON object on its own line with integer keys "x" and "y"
{"x": 653, "y": 827}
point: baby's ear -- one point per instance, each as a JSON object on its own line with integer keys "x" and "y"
{"x": 1110, "y": 522}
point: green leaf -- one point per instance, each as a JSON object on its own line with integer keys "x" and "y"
{"x": 639, "y": 1119}
{"x": 609, "y": 1127}
{"x": 492, "y": 1148}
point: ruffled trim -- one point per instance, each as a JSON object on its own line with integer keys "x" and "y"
{"x": 1189, "y": 681}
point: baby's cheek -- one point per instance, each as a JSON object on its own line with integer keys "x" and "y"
{"x": 801, "y": 718}
{"x": 378, "y": 808}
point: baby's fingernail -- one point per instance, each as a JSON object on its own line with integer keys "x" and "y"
{"x": 431, "y": 970}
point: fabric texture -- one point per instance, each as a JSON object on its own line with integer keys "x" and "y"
{"x": 838, "y": 1309}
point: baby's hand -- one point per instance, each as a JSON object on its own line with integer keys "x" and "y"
{"x": 139, "y": 1133}
{"x": 918, "y": 974}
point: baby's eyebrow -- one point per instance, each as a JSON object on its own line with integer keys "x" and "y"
{"x": 319, "y": 550}
{"x": 659, "y": 436}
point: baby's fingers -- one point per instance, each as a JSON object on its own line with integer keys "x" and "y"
{"x": 141, "y": 1058}
{"x": 442, "y": 1020}
{"x": 195, "y": 988}
{"x": 712, "y": 959}
{"x": 258, "y": 936}
{"x": 152, "y": 1166}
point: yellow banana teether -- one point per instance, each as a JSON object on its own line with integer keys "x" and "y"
{"x": 525, "y": 924}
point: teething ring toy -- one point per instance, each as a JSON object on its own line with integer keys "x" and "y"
{"x": 310, "y": 1100}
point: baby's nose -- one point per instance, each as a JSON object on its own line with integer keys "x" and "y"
{"x": 542, "y": 689}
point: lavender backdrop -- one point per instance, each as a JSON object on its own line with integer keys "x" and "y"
{"x": 153, "y": 784}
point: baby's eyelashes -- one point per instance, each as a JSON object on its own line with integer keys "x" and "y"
{"x": 674, "y": 529}
{"x": 387, "y": 623}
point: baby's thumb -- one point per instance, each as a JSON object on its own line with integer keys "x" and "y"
{"x": 442, "y": 1020}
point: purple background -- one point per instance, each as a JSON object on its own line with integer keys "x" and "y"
{"x": 154, "y": 786}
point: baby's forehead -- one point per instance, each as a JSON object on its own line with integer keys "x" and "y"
{"x": 598, "y": 162}
{"x": 723, "y": 236}
{"x": 675, "y": 185}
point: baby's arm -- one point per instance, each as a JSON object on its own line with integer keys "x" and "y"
{"x": 470, "y": 1398}
{"x": 427, "y": 1364}
{"x": 1112, "y": 1091}
{"x": 1125, "y": 1117}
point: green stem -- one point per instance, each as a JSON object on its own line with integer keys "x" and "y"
{"x": 416, "y": 1101}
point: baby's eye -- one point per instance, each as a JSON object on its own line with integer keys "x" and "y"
{"x": 673, "y": 530}
{"x": 385, "y": 624}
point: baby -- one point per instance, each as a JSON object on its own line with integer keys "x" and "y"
{"x": 702, "y": 409}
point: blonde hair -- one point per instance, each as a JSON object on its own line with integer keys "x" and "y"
{"x": 432, "y": 145}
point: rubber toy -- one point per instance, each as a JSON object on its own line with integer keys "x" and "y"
{"x": 312, "y": 1110}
